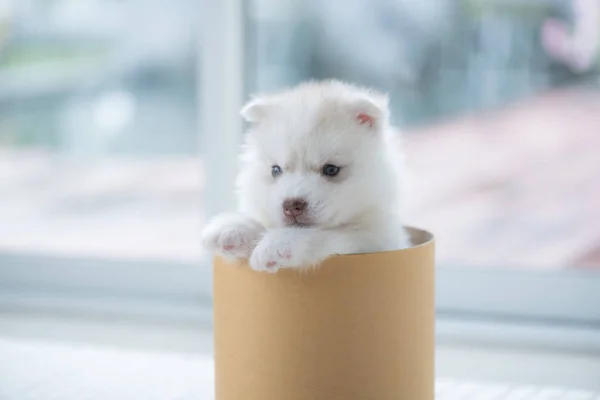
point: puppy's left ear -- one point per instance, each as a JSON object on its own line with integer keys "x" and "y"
{"x": 256, "y": 109}
{"x": 371, "y": 112}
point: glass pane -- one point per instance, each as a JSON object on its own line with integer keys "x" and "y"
{"x": 98, "y": 128}
{"x": 499, "y": 106}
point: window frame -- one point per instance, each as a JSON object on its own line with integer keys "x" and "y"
{"x": 181, "y": 291}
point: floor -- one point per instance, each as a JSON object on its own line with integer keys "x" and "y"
{"x": 41, "y": 370}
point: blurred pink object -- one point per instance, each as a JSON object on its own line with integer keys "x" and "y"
{"x": 577, "y": 47}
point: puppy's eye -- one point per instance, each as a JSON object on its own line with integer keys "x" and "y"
{"x": 330, "y": 170}
{"x": 276, "y": 170}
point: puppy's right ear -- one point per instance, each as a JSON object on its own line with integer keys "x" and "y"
{"x": 256, "y": 109}
{"x": 370, "y": 111}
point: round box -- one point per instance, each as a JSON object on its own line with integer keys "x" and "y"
{"x": 357, "y": 327}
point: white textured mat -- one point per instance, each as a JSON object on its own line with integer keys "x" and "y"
{"x": 32, "y": 370}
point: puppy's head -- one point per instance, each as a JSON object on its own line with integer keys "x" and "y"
{"x": 317, "y": 155}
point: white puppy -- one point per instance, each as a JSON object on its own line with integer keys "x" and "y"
{"x": 320, "y": 175}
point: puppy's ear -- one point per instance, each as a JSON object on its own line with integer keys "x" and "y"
{"x": 371, "y": 112}
{"x": 256, "y": 109}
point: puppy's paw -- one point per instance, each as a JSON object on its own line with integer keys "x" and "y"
{"x": 282, "y": 248}
{"x": 232, "y": 235}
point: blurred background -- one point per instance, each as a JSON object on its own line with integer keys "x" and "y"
{"x": 104, "y": 155}
{"x": 100, "y": 127}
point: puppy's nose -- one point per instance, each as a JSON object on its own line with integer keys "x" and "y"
{"x": 294, "y": 207}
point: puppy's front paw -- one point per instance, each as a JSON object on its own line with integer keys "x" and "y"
{"x": 281, "y": 249}
{"x": 232, "y": 235}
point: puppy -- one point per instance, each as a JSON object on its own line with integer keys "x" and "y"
{"x": 320, "y": 175}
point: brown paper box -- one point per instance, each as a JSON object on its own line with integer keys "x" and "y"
{"x": 357, "y": 327}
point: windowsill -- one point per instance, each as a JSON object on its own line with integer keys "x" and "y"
{"x": 175, "y": 326}
{"x": 458, "y": 355}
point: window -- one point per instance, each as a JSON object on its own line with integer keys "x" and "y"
{"x": 101, "y": 167}
{"x": 498, "y": 104}
{"x": 119, "y": 129}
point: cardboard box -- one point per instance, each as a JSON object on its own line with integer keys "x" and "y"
{"x": 357, "y": 327}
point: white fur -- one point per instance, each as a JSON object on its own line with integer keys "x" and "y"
{"x": 301, "y": 130}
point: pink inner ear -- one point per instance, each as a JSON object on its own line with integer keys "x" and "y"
{"x": 363, "y": 118}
